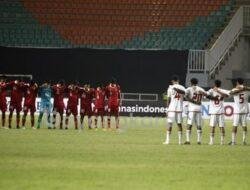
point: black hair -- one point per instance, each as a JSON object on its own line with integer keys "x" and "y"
{"x": 62, "y": 82}
{"x": 194, "y": 81}
{"x": 240, "y": 81}
{"x": 113, "y": 80}
{"x": 175, "y": 78}
{"x": 3, "y": 77}
{"x": 76, "y": 82}
{"x": 32, "y": 82}
{"x": 217, "y": 83}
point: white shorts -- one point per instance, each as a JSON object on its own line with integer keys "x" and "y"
{"x": 240, "y": 119}
{"x": 175, "y": 117}
{"x": 194, "y": 117}
{"x": 217, "y": 119}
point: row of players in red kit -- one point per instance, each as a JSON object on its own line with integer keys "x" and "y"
{"x": 106, "y": 101}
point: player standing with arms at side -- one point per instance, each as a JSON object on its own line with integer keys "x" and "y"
{"x": 45, "y": 105}
{"x": 3, "y": 101}
{"x": 175, "y": 96}
{"x": 216, "y": 110}
{"x": 58, "y": 105}
{"x": 86, "y": 96}
{"x": 194, "y": 95}
{"x": 113, "y": 93}
{"x": 241, "y": 109}
{"x": 30, "y": 94}
{"x": 99, "y": 102}
{"x": 15, "y": 101}
{"x": 73, "y": 96}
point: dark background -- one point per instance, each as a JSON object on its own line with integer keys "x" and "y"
{"x": 135, "y": 70}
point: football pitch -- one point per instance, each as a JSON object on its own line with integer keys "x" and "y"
{"x": 133, "y": 158}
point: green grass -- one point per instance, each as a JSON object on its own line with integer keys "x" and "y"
{"x": 131, "y": 159}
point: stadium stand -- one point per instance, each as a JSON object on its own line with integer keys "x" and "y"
{"x": 123, "y": 24}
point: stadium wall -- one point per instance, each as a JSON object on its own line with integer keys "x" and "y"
{"x": 136, "y": 71}
{"x": 237, "y": 63}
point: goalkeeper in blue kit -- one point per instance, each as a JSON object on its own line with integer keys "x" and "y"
{"x": 45, "y": 105}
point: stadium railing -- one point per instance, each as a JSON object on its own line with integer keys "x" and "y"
{"x": 225, "y": 41}
{"x": 208, "y": 61}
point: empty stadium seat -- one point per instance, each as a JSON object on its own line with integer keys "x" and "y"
{"x": 144, "y": 24}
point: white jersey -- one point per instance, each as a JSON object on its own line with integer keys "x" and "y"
{"x": 217, "y": 106}
{"x": 241, "y": 102}
{"x": 195, "y": 93}
{"x": 176, "y": 103}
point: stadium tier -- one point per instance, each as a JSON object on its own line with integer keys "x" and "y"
{"x": 124, "y": 24}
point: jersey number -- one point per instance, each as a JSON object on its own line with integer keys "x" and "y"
{"x": 177, "y": 96}
{"x": 216, "y": 102}
{"x": 197, "y": 97}
{"x": 242, "y": 99}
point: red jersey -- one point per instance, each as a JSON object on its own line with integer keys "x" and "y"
{"x": 30, "y": 94}
{"x": 99, "y": 98}
{"x": 87, "y": 96}
{"x": 3, "y": 92}
{"x": 73, "y": 97}
{"x": 16, "y": 92}
{"x": 58, "y": 91}
{"x": 113, "y": 93}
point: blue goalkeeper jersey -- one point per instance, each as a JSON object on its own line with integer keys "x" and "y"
{"x": 45, "y": 94}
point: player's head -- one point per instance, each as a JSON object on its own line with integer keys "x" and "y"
{"x": 113, "y": 80}
{"x": 76, "y": 83}
{"x": 61, "y": 82}
{"x": 32, "y": 82}
{"x": 194, "y": 81}
{"x": 86, "y": 86}
{"x": 175, "y": 79}
{"x": 47, "y": 82}
{"x": 3, "y": 78}
{"x": 217, "y": 83}
{"x": 239, "y": 81}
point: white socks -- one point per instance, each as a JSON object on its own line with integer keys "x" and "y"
{"x": 233, "y": 137}
{"x": 188, "y": 134}
{"x": 167, "y": 137}
{"x": 199, "y": 132}
{"x": 211, "y": 139}
{"x": 180, "y": 137}
{"x": 244, "y": 136}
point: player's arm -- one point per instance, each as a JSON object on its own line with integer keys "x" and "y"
{"x": 223, "y": 93}
{"x": 179, "y": 90}
{"x": 210, "y": 96}
{"x": 192, "y": 101}
{"x": 236, "y": 91}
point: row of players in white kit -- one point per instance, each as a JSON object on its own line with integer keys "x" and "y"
{"x": 194, "y": 95}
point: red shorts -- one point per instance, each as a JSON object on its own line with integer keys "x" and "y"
{"x": 99, "y": 111}
{"x": 27, "y": 108}
{"x": 113, "y": 110}
{"x": 59, "y": 108}
{"x": 86, "y": 110}
{"x": 15, "y": 106}
{"x": 72, "y": 110}
{"x": 3, "y": 107}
